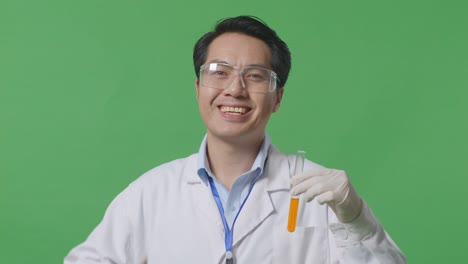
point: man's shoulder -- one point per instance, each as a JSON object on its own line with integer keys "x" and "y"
{"x": 171, "y": 171}
{"x": 176, "y": 164}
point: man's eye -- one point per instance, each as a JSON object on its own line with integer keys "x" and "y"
{"x": 219, "y": 73}
{"x": 256, "y": 77}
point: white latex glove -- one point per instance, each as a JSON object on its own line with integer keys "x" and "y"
{"x": 331, "y": 187}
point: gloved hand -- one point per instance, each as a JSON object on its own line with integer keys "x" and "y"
{"x": 332, "y": 187}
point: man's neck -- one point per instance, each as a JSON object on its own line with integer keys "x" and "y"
{"x": 229, "y": 160}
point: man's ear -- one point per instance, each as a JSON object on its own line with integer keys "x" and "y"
{"x": 279, "y": 97}
{"x": 197, "y": 87}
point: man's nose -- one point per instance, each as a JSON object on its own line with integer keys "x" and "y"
{"x": 238, "y": 87}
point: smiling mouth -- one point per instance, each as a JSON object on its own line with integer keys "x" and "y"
{"x": 237, "y": 110}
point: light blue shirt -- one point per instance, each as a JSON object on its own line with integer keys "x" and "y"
{"x": 232, "y": 200}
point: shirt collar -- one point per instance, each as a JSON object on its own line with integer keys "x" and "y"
{"x": 203, "y": 167}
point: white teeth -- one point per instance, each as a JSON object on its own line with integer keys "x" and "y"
{"x": 231, "y": 109}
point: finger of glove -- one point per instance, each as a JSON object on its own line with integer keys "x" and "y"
{"x": 326, "y": 197}
{"x": 307, "y": 175}
{"x": 316, "y": 183}
{"x": 315, "y": 191}
{"x": 310, "y": 182}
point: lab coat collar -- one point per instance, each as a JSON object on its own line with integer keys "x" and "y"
{"x": 277, "y": 170}
{"x": 275, "y": 162}
{"x": 203, "y": 166}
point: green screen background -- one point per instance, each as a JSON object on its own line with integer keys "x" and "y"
{"x": 95, "y": 93}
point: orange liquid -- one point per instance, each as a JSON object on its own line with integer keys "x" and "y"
{"x": 293, "y": 206}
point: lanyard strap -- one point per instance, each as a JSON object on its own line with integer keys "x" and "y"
{"x": 228, "y": 233}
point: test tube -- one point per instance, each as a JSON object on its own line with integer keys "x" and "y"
{"x": 294, "y": 203}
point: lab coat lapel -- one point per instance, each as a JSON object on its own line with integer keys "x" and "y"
{"x": 204, "y": 202}
{"x": 207, "y": 213}
{"x": 259, "y": 205}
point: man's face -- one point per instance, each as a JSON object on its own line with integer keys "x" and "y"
{"x": 235, "y": 114}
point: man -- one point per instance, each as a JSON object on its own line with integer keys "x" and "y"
{"x": 229, "y": 202}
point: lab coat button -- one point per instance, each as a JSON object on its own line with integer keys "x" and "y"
{"x": 233, "y": 208}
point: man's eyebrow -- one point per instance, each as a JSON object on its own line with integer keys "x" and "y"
{"x": 218, "y": 61}
{"x": 259, "y": 65}
{"x": 250, "y": 65}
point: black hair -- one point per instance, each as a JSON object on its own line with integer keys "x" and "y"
{"x": 254, "y": 27}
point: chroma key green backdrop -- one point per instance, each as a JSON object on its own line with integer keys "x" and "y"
{"x": 94, "y": 93}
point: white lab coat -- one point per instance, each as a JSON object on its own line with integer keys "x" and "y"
{"x": 169, "y": 216}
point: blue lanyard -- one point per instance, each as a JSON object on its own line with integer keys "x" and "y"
{"x": 228, "y": 233}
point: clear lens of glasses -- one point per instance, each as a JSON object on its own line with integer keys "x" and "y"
{"x": 253, "y": 78}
